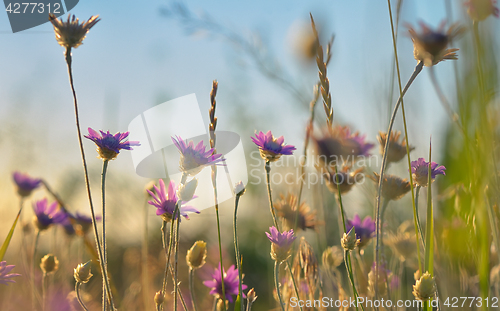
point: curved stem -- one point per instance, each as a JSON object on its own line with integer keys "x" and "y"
{"x": 350, "y": 274}
{"x": 214, "y": 183}
{"x": 293, "y": 282}
{"x": 77, "y": 290}
{"x": 417, "y": 70}
{"x": 273, "y": 213}
{"x": 419, "y": 225}
{"x": 103, "y": 234}
{"x": 237, "y": 252}
{"x": 191, "y": 288}
{"x": 87, "y": 182}
{"x": 277, "y": 284}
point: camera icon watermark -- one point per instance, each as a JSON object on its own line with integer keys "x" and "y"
{"x": 158, "y": 157}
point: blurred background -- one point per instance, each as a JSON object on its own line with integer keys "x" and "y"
{"x": 142, "y": 54}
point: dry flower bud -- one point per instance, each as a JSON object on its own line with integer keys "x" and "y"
{"x": 251, "y": 297}
{"x": 239, "y": 188}
{"x": 82, "y": 272}
{"x": 425, "y": 288}
{"x": 159, "y": 297}
{"x": 349, "y": 241}
{"x": 49, "y": 264}
{"x": 196, "y": 255}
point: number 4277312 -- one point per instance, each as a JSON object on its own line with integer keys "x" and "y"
{"x": 460, "y": 302}
{"x": 33, "y": 8}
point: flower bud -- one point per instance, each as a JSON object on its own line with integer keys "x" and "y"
{"x": 425, "y": 288}
{"x": 82, "y": 272}
{"x": 349, "y": 241}
{"x": 239, "y": 188}
{"x": 159, "y": 297}
{"x": 196, "y": 255}
{"x": 49, "y": 264}
{"x": 185, "y": 192}
{"x": 251, "y": 297}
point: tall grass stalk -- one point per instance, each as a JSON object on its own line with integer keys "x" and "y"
{"x": 417, "y": 70}
{"x": 87, "y": 182}
{"x": 277, "y": 284}
{"x": 401, "y": 93}
{"x": 211, "y": 127}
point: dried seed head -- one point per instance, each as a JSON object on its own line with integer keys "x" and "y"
{"x": 479, "y": 10}
{"x": 159, "y": 298}
{"x": 349, "y": 241}
{"x": 403, "y": 244}
{"x": 82, "y": 272}
{"x": 286, "y": 208}
{"x": 393, "y": 187}
{"x": 425, "y": 288}
{"x": 308, "y": 263}
{"x": 332, "y": 257}
{"x": 70, "y": 34}
{"x": 397, "y": 150}
{"x": 196, "y": 255}
{"x": 343, "y": 179}
{"x": 49, "y": 264}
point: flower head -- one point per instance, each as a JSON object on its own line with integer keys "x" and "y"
{"x": 70, "y": 34}
{"x": 281, "y": 243}
{"x": 239, "y": 188}
{"x": 479, "y": 10}
{"x": 338, "y": 145}
{"x": 5, "y": 276}
{"x": 393, "y": 187}
{"x": 25, "y": 184}
{"x": 286, "y": 208}
{"x": 343, "y": 179}
{"x": 270, "y": 147}
{"x": 49, "y": 264}
{"x": 332, "y": 257}
{"x": 420, "y": 171}
{"x": 429, "y": 46}
{"x": 46, "y": 215}
{"x": 195, "y": 158}
{"x": 165, "y": 202}
{"x": 397, "y": 150}
{"x": 231, "y": 283}
{"x": 109, "y": 145}
{"x": 364, "y": 229}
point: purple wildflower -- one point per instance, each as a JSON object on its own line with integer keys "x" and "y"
{"x": 364, "y": 229}
{"x": 25, "y": 184}
{"x": 479, "y": 10}
{"x": 109, "y": 145}
{"x": 48, "y": 215}
{"x": 231, "y": 283}
{"x": 5, "y": 276}
{"x": 165, "y": 202}
{"x": 271, "y": 148}
{"x": 195, "y": 158}
{"x": 281, "y": 243}
{"x": 420, "y": 170}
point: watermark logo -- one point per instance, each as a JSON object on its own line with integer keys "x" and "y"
{"x": 157, "y": 157}
{"x": 25, "y": 14}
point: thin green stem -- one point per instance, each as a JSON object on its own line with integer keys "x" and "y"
{"x": 350, "y": 274}
{"x": 269, "y": 192}
{"x": 417, "y": 70}
{"x": 415, "y": 207}
{"x": 33, "y": 269}
{"x": 277, "y": 284}
{"x": 44, "y": 291}
{"x": 214, "y": 184}
{"x": 237, "y": 251}
{"x": 144, "y": 257}
{"x": 103, "y": 234}
{"x": 87, "y": 182}
{"x": 170, "y": 246}
{"x": 419, "y": 224}
{"x": 77, "y": 291}
{"x": 191, "y": 288}
{"x": 176, "y": 255}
